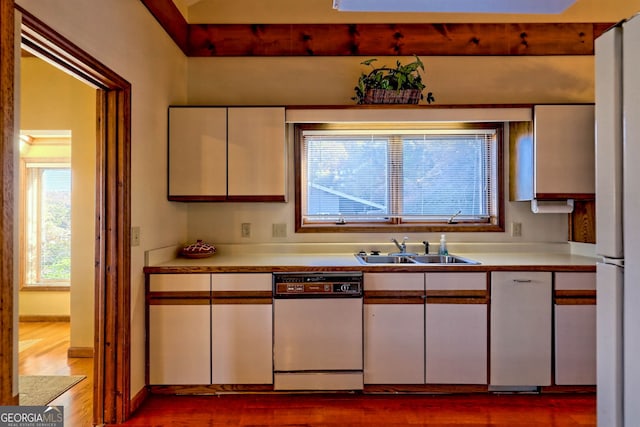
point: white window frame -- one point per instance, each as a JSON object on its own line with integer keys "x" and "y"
{"x": 493, "y": 223}
{"x": 38, "y": 283}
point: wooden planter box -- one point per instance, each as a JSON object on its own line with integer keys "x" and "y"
{"x": 390, "y": 96}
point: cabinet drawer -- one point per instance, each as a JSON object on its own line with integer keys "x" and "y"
{"x": 241, "y": 282}
{"x": 455, "y": 281}
{"x": 179, "y": 282}
{"x": 393, "y": 282}
{"x": 575, "y": 281}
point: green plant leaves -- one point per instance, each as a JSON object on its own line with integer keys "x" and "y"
{"x": 401, "y": 77}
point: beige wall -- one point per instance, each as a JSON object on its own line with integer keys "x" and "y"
{"x": 330, "y": 81}
{"x": 54, "y": 100}
{"x": 126, "y": 38}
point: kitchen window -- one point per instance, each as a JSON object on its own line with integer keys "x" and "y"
{"x": 399, "y": 178}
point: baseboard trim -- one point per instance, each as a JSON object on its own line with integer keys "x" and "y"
{"x": 80, "y": 352}
{"x": 137, "y": 400}
{"x": 43, "y": 318}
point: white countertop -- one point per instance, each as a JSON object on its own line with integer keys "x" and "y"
{"x": 284, "y": 256}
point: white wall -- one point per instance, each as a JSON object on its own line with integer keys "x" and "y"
{"x": 124, "y": 36}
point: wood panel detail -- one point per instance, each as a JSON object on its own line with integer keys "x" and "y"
{"x": 209, "y": 40}
{"x": 582, "y": 222}
{"x": 170, "y": 18}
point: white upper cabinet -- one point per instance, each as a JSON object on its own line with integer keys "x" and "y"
{"x": 197, "y": 152}
{"x": 227, "y": 154}
{"x": 257, "y": 153}
{"x": 555, "y": 157}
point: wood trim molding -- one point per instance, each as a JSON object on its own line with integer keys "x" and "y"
{"x": 442, "y": 39}
{"x": 111, "y": 397}
{"x": 170, "y": 18}
{"x": 7, "y": 279}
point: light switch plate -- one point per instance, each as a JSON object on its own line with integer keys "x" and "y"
{"x": 135, "y": 236}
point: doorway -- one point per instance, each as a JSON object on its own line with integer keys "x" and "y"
{"x": 111, "y": 235}
{"x": 56, "y": 213}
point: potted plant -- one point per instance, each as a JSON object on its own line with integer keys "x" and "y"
{"x": 384, "y": 85}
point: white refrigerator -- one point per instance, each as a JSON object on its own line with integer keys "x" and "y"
{"x": 617, "y": 99}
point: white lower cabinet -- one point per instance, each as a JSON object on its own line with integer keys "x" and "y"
{"x": 241, "y": 329}
{"x": 520, "y": 353}
{"x": 394, "y": 328}
{"x": 394, "y": 344}
{"x": 456, "y": 328}
{"x": 456, "y": 344}
{"x": 441, "y": 342}
{"x": 210, "y": 329}
{"x": 179, "y": 339}
{"x": 575, "y": 329}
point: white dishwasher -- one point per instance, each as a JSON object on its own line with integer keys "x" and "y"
{"x": 318, "y": 330}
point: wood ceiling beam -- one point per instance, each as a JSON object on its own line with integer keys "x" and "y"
{"x": 500, "y": 39}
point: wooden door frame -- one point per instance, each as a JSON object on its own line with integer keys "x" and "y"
{"x": 111, "y": 396}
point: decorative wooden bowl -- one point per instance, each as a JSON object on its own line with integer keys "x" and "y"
{"x": 199, "y": 249}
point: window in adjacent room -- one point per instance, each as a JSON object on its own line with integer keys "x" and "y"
{"x": 429, "y": 178}
{"x": 46, "y": 215}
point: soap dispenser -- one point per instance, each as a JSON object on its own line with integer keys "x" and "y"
{"x": 443, "y": 246}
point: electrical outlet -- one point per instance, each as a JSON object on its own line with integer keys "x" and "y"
{"x": 245, "y": 229}
{"x": 278, "y": 230}
{"x": 516, "y": 229}
{"x": 135, "y": 236}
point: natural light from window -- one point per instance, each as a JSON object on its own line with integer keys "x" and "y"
{"x": 419, "y": 177}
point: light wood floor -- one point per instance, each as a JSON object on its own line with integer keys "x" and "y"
{"x": 46, "y": 354}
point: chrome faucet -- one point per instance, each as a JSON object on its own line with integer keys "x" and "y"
{"x": 453, "y": 217}
{"x": 402, "y": 247}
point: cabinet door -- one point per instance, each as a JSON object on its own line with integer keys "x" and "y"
{"x": 456, "y": 343}
{"x": 520, "y": 350}
{"x": 394, "y": 328}
{"x": 575, "y": 344}
{"x": 197, "y": 153}
{"x": 257, "y": 153}
{"x": 575, "y": 329}
{"x": 242, "y": 329}
{"x": 179, "y": 344}
{"x": 564, "y": 140}
{"x": 456, "y": 328}
{"x": 241, "y": 344}
{"x": 394, "y": 344}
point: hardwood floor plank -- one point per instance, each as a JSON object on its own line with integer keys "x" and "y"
{"x": 367, "y": 410}
{"x": 48, "y": 356}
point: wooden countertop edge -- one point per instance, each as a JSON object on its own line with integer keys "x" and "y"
{"x": 365, "y": 269}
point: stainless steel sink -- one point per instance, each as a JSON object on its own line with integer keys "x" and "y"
{"x": 384, "y": 259}
{"x": 414, "y": 259}
{"x": 442, "y": 259}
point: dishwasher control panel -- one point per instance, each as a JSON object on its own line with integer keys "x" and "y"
{"x": 287, "y": 285}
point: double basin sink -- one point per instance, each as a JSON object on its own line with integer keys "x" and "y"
{"x": 414, "y": 259}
